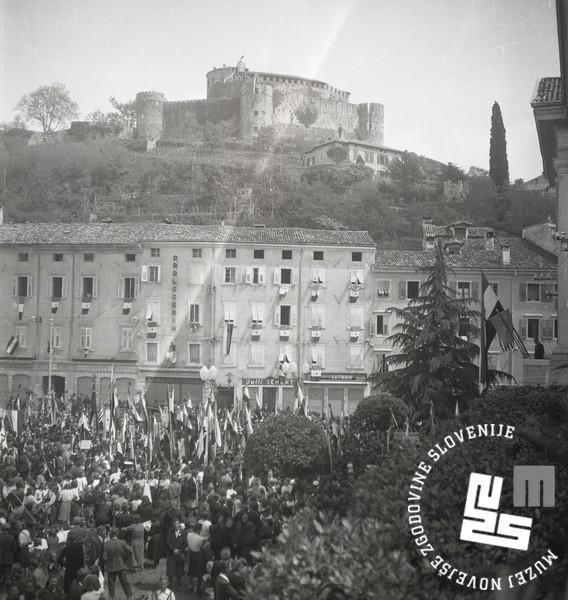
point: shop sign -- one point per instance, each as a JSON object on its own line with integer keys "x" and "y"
{"x": 265, "y": 381}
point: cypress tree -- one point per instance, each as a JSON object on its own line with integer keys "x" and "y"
{"x": 498, "y": 163}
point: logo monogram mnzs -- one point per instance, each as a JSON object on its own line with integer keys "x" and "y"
{"x": 483, "y": 524}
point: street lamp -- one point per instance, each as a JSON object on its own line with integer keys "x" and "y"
{"x": 50, "y": 348}
{"x": 209, "y": 377}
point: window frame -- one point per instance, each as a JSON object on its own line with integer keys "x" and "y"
{"x": 260, "y": 252}
{"x": 318, "y": 255}
{"x": 383, "y": 281}
{"x": 130, "y": 337}
{"x": 191, "y": 344}
{"x": 22, "y": 333}
{"x": 230, "y": 253}
{"x": 229, "y": 269}
{"x": 356, "y": 254}
{"x": 197, "y": 253}
{"x": 157, "y": 347}
{"x": 88, "y": 257}
{"x": 361, "y": 351}
{"x": 287, "y": 257}
{"x": 57, "y": 257}
{"x": 86, "y": 337}
{"x": 23, "y": 257}
{"x": 154, "y": 252}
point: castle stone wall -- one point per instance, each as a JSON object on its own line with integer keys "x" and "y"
{"x": 186, "y": 119}
{"x": 253, "y": 100}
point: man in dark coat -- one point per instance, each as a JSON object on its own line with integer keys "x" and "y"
{"x": 72, "y": 558}
{"x": 223, "y": 588}
{"x": 116, "y": 555}
{"x": 7, "y": 550}
{"x": 176, "y": 545}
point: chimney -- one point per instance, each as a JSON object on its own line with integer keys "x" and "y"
{"x": 490, "y": 240}
{"x": 506, "y": 249}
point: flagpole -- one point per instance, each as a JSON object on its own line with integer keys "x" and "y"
{"x": 482, "y": 349}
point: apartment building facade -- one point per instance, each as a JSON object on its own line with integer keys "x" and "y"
{"x": 522, "y": 273}
{"x": 148, "y": 305}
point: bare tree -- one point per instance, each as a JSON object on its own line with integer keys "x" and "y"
{"x": 50, "y": 105}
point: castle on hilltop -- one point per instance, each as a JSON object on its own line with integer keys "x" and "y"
{"x": 248, "y": 101}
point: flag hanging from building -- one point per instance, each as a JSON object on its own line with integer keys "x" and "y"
{"x": 230, "y": 327}
{"x": 54, "y": 306}
{"x": 12, "y": 345}
{"x": 496, "y": 321}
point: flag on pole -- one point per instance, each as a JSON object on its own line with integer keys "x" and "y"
{"x": 496, "y": 321}
{"x": 171, "y": 397}
{"x": 230, "y": 327}
{"x": 84, "y": 422}
{"x": 248, "y": 421}
{"x": 12, "y": 345}
{"x": 218, "y": 440}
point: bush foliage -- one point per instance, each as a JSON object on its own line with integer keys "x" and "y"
{"x": 370, "y": 553}
{"x": 289, "y": 444}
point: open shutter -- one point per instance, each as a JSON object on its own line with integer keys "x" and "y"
{"x": 136, "y": 287}
{"x": 277, "y": 317}
{"x": 120, "y": 287}
{"x": 475, "y": 290}
{"x": 95, "y": 287}
{"x": 144, "y": 273}
{"x": 372, "y": 328}
{"x": 295, "y": 276}
{"x": 293, "y": 316}
{"x": 248, "y": 275}
{"x": 79, "y": 287}
{"x": 547, "y": 329}
{"x": 64, "y": 287}
{"x": 30, "y": 290}
{"x": 260, "y": 313}
{"x": 523, "y": 328}
{"x": 402, "y": 290}
{"x": 262, "y": 275}
{"x": 522, "y": 292}
{"x": 92, "y": 339}
{"x": 277, "y": 276}
{"x": 49, "y": 287}
{"x": 15, "y": 286}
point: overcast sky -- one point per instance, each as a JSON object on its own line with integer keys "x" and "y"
{"x": 436, "y": 65}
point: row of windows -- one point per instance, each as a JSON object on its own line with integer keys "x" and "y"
{"x": 196, "y": 253}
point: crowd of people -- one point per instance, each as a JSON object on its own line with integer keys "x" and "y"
{"x": 76, "y": 522}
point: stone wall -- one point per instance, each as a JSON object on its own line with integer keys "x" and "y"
{"x": 185, "y": 120}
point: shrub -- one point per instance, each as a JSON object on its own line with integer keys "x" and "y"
{"x": 290, "y": 444}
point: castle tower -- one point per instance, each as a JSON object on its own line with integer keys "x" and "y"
{"x": 371, "y": 122}
{"x": 149, "y": 114}
{"x": 257, "y": 107}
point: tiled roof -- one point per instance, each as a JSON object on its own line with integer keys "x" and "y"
{"x": 549, "y": 91}
{"x": 524, "y": 255}
{"x": 109, "y": 234}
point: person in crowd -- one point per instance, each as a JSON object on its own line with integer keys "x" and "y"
{"x": 176, "y": 544}
{"x": 116, "y": 555}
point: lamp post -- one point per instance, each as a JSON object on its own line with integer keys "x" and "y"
{"x": 209, "y": 377}
{"x": 50, "y": 348}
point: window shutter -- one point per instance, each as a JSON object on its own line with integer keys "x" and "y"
{"x": 277, "y": 317}
{"x": 92, "y": 346}
{"x": 95, "y": 287}
{"x": 144, "y": 273}
{"x": 277, "y": 276}
{"x": 402, "y": 290}
{"x": 295, "y": 276}
{"x": 120, "y": 287}
{"x": 30, "y": 290}
{"x": 293, "y": 316}
{"x": 523, "y": 328}
{"x": 15, "y": 286}
{"x": 262, "y": 275}
{"x": 49, "y": 284}
{"x": 547, "y": 329}
{"x": 321, "y": 276}
{"x": 159, "y": 274}
{"x": 475, "y": 290}
{"x": 79, "y": 287}
{"x": 260, "y": 312}
{"x": 372, "y": 322}
{"x": 64, "y": 287}
{"x": 248, "y": 275}
{"x": 522, "y": 292}
{"x": 136, "y": 287}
